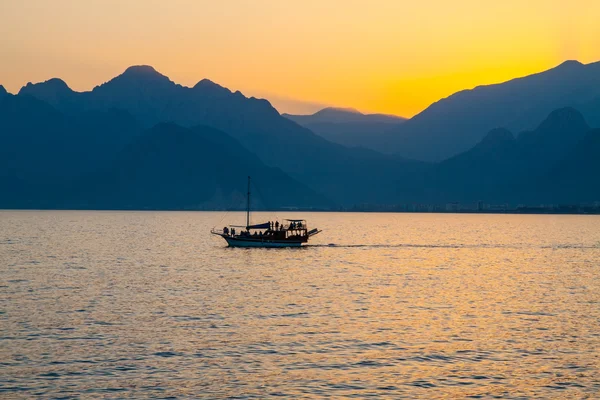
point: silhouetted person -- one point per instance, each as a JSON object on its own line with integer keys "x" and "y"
{"x": 276, "y": 225}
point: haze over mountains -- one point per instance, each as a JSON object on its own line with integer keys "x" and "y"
{"x": 348, "y": 126}
{"x": 143, "y": 141}
{"x": 337, "y": 115}
{"x": 458, "y": 122}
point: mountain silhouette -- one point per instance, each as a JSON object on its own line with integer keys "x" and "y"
{"x": 550, "y": 142}
{"x": 349, "y": 127}
{"x": 504, "y": 168}
{"x": 337, "y": 115}
{"x": 575, "y": 178}
{"x": 102, "y": 159}
{"x": 172, "y": 167}
{"x": 343, "y": 175}
{"x": 3, "y": 92}
{"x": 56, "y": 92}
{"x": 42, "y": 148}
{"x": 456, "y": 123}
{"x": 152, "y": 98}
{"x": 104, "y": 149}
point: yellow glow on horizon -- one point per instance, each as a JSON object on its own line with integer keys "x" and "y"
{"x": 385, "y": 56}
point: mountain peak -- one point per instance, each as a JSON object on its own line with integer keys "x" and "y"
{"x": 136, "y": 76}
{"x": 3, "y": 91}
{"x": 347, "y": 110}
{"x": 567, "y": 67}
{"x": 557, "y": 134}
{"x": 498, "y": 135}
{"x": 564, "y": 116}
{"x": 570, "y": 64}
{"x": 51, "y": 88}
{"x": 53, "y": 83}
{"x": 141, "y": 70}
{"x": 206, "y": 83}
{"x": 496, "y": 140}
{"x": 209, "y": 86}
{"x": 143, "y": 73}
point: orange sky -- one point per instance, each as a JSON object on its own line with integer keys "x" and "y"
{"x": 387, "y": 56}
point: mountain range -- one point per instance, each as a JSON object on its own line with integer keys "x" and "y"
{"x": 341, "y": 174}
{"x": 105, "y": 159}
{"x": 143, "y": 141}
{"x": 348, "y": 126}
{"x": 456, "y": 123}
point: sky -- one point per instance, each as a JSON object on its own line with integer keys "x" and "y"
{"x": 386, "y": 56}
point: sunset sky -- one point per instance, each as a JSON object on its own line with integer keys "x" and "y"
{"x": 387, "y": 56}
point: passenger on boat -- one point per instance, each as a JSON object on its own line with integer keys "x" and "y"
{"x": 232, "y": 231}
{"x": 276, "y": 225}
{"x": 225, "y": 231}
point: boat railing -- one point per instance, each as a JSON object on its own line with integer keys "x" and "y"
{"x": 302, "y": 230}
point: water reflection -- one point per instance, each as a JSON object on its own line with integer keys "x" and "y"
{"x": 149, "y": 305}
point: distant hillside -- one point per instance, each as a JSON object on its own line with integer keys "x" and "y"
{"x": 576, "y": 176}
{"x": 349, "y": 127}
{"x": 336, "y": 115}
{"x": 3, "y": 91}
{"x": 102, "y": 159}
{"x": 456, "y": 123}
{"x": 502, "y": 168}
{"x": 171, "y": 167}
{"x": 591, "y": 110}
{"x": 40, "y": 144}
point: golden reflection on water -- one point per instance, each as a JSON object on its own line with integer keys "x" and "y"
{"x": 148, "y": 304}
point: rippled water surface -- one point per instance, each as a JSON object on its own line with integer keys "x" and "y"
{"x": 149, "y": 304}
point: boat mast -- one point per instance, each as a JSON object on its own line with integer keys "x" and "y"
{"x": 248, "y": 206}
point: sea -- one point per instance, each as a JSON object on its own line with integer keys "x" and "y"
{"x": 104, "y": 304}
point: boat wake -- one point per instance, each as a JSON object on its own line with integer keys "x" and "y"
{"x": 455, "y": 246}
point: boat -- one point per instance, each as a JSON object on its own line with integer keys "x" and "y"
{"x": 288, "y": 233}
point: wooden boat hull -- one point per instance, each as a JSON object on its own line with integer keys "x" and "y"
{"x": 237, "y": 241}
{"x": 249, "y": 242}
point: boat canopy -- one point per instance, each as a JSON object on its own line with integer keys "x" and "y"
{"x": 295, "y": 220}
{"x": 265, "y": 225}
